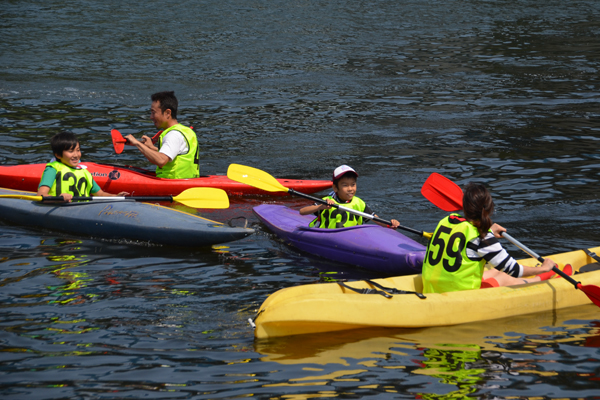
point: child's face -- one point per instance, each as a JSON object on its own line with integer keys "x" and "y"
{"x": 70, "y": 157}
{"x": 346, "y": 188}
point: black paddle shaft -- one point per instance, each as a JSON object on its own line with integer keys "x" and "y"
{"x": 374, "y": 218}
{"x": 540, "y": 259}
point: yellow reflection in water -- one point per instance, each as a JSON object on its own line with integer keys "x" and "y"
{"x": 75, "y": 281}
{"x": 451, "y": 354}
{"x": 319, "y": 395}
{"x": 220, "y": 248}
{"x": 333, "y": 376}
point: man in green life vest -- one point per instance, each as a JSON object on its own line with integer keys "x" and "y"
{"x": 66, "y": 177}
{"x": 344, "y": 191}
{"x": 177, "y": 155}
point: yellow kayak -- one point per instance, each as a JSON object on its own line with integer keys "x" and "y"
{"x": 331, "y": 307}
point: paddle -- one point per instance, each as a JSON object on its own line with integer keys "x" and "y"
{"x": 262, "y": 180}
{"x": 194, "y": 197}
{"x": 593, "y": 292}
{"x": 118, "y": 140}
{"x": 442, "y": 192}
{"x": 447, "y": 195}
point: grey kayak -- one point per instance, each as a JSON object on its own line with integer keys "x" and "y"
{"x": 124, "y": 219}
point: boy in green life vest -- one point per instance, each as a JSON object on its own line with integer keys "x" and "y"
{"x": 65, "y": 177}
{"x": 177, "y": 155}
{"x": 344, "y": 194}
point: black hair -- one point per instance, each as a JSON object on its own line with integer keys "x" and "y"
{"x": 167, "y": 101}
{"x": 478, "y": 206}
{"x": 62, "y": 141}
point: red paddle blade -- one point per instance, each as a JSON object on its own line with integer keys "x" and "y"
{"x": 442, "y": 192}
{"x": 593, "y": 292}
{"x": 118, "y": 141}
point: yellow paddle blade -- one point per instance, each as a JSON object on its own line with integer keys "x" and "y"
{"x": 21, "y": 196}
{"x": 203, "y": 197}
{"x": 427, "y": 235}
{"x": 254, "y": 177}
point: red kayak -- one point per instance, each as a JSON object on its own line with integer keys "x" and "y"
{"x": 142, "y": 182}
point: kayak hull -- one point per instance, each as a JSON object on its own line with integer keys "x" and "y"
{"x": 357, "y": 346}
{"x": 330, "y": 307}
{"x": 141, "y": 182}
{"x": 125, "y": 219}
{"x": 371, "y": 246}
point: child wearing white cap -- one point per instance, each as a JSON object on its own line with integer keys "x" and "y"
{"x": 344, "y": 194}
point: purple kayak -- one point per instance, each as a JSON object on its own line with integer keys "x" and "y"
{"x": 371, "y": 246}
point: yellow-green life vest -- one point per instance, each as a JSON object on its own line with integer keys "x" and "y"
{"x": 446, "y": 267}
{"x": 336, "y": 218}
{"x": 184, "y": 165}
{"x": 76, "y": 181}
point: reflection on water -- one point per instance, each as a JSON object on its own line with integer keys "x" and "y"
{"x": 455, "y": 367}
{"x": 75, "y": 281}
{"x": 454, "y": 362}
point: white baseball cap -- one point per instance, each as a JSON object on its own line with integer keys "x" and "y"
{"x": 341, "y": 170}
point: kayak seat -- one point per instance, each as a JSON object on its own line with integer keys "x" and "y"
{"x": 589, "y": 267}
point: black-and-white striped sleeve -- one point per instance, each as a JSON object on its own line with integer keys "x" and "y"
{"x": 490, "y": 249}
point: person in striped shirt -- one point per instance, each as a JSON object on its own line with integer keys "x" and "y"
{"x": 461, "y": 246}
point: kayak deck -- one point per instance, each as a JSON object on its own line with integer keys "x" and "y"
{"x": 330, "y": 307}
{"x": 370, "y": 246}
{"x": 142, "y": 182}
